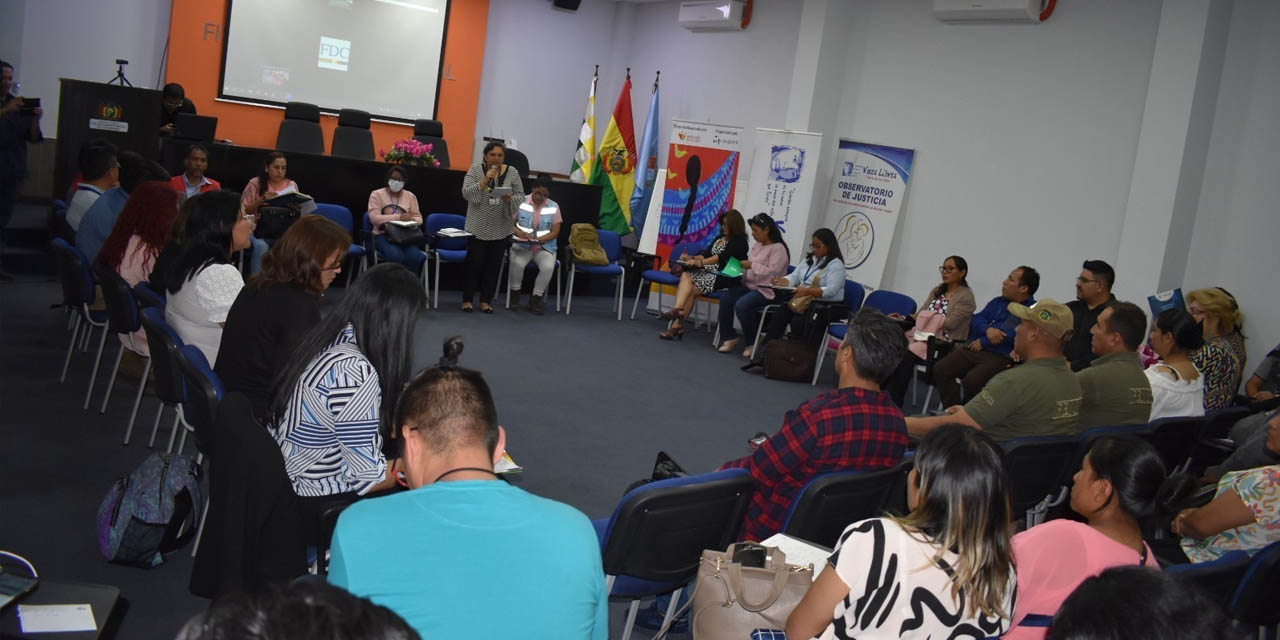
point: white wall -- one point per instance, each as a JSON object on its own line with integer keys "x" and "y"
{"x": 81, "y": 40}
{"x": 1025, "y": 136}
{"x": 737, "y": 78}
{"x": 537, "y": 70}
{"x": 1238, "y": 225}
{"x": 11, "y": 33}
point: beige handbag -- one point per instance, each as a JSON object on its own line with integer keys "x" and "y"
{"x": 798, "y": 304}
{"x": 730, "y": 601}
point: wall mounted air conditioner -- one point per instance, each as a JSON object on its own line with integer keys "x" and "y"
{"x": 711, "y": 15}
{"x": 961, "y": 11}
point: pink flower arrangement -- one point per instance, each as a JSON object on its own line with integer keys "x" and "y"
{"x": 410, "y": 151}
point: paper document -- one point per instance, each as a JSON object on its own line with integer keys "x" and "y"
{"x": 451, "y": 232}
{"x": 507, "y": 465}
{"x": 47, "y": 618}
{"x": 404, "y": 223}
{"x": 800, "y": 552}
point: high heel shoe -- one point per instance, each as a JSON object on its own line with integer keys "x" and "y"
{"x": 672, "y": 314}
{"x": 676, "y": 332}
{"x": 729, "y": 345}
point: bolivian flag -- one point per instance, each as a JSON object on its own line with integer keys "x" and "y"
{"x": 615, "y": 166}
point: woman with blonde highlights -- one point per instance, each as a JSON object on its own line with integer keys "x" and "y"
{"x": 944, "y": 570}
{"x": 1222, "y": 358}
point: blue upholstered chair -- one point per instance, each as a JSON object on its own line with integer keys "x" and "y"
{"x": 341, "y": 216}
{"x": 445, "y": 249}
{"x": 612, "y": 245}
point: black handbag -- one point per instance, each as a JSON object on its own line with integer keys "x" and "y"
{"x": 274, "y": 221}
{"x": 399, "y": 234}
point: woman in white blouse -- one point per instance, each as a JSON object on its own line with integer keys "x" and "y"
{"x": 202, "y": 283}
{"x": 943, "y": 571}
{"x": 1177, "y": 388}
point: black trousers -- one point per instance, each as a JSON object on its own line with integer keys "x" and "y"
{"x": 484, "y": 261}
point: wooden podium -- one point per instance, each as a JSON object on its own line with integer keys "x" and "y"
{"x": 125, "y": 116}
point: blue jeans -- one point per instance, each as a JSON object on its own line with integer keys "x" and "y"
{"x": 747, "y": 306}
{"x": 257, "y": 248}
{"x": 408, "y": 255}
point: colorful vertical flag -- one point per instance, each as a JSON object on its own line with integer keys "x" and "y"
{"x": 584, "y": 156}
{"x": 648, "y": 165}
{"x": 615, "y": 166}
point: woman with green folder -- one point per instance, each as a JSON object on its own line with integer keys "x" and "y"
{"x": 702, "y": 273}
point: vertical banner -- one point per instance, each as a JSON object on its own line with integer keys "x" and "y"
{"x": 866, "y": 196}
{"x": 781, "y": 182}
{"x": 697, "y": 186}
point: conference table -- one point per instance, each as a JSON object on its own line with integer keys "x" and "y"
{"x": 348, "y": 182}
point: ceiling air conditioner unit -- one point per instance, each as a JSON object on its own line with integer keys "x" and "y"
{"x": 961, "y": 11}
{"x": 712, "y": 15}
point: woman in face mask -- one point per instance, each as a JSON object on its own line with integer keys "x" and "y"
{"x": 394, "y": 203}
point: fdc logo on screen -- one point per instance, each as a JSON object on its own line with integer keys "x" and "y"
{"x": 334, "y": 53}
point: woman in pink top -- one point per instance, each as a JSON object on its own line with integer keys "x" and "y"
{"x": 394, "y": 203}
{"x": 766, "y": 259}
{"x": 1121, "y": 480}
{"x": 140, "y": 233}
{"x": 270, "y": 182}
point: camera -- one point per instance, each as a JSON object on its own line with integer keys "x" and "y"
{"x": 121, "y": 61}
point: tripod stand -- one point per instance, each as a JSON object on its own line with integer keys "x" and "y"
{"x": 124, "y": 82}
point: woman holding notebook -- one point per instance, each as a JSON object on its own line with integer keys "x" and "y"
{"x": 702, "y": 273}
{"x": 393, "y": 204}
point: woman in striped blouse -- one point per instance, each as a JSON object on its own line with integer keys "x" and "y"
{"x": 332, "y": 405}
{"x": 490, "y": 222}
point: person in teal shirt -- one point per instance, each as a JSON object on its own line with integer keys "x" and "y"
{"x": 463, "y": 554}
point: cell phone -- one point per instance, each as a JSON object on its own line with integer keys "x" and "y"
{"x": 29, "y": 106}
{"x": 14, "y": 586}
{"x": 750, "y": 555}
{"x": 758, "y": 439}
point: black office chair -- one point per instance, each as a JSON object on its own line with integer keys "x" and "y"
{"x": 520, "y": 161}
{"x": 432, "y": 132}
{"x": 300, "y": 130}
{"x": 1036, "y": 467}
{"x": 832, "y": 501}
{"x": 252, "y": 515}
{"x": 352, "y": 138}
{"x": 1175, "y": 439}
{"x": 654, "y": 540}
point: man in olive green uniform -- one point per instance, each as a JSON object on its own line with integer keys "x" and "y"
{"x": 1116, "y": 391}
{"x": 1040, "y": 397}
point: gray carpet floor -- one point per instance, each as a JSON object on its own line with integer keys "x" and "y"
{"x": 586, "y": 400}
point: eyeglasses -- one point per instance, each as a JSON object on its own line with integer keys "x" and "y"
{"x": 334, "y": 267}
{"x": 1084, "y": 280}
{"x": 948, "y": 269}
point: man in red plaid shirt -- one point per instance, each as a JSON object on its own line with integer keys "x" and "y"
{"x": 855, "y": 426}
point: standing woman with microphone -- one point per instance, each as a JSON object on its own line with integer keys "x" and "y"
{"x": 490, "y": 215}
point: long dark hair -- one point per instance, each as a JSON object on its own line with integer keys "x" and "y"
{"x": 766, "y": 222}
{"x": 961, "y": 265}
{"x": 206, "y": 236}
{"x": 1137, "y": 476}
{"x": 382, "y": 307}
{"x": 964, "y": 507}
{"x": 828, "y": 238}
{"x": 1178, "y": 323}
{"x": 263, "y": 178}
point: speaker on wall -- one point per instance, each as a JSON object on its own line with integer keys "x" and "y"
{"x": 571, "y": 5}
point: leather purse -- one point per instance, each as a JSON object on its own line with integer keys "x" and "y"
{"x": 730, "y": 601}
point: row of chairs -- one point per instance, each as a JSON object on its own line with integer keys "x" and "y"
{"x": 300, "y": 132}
{"x": 653, "y": 541}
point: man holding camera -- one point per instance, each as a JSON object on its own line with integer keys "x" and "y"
{"x": 19, "y": 124}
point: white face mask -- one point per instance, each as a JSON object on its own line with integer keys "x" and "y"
{"x": 395, "y": 185}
